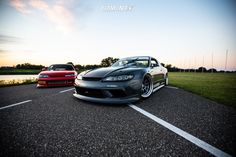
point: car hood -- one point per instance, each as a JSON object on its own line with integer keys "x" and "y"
{"x": 103, "y": 72}
{"x": 57, "y": 73}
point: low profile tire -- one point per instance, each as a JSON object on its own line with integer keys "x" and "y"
{"x": 166, "y": 80}
{"x": 147, "y": 87}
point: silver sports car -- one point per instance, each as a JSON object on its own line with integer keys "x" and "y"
{"x": 127, "y": 80}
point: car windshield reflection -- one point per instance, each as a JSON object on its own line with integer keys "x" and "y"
{"x": 60, "y": 67}
{"x": 137, "y": 62}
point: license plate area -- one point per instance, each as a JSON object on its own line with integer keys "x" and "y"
{"x": 56, "y": 82}
{"x": 41, "y": 82}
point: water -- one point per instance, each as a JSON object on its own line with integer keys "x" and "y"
{"x": 17, "y": 77}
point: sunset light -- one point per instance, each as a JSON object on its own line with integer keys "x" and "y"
{"x": 118, "y": 78}
{"x": 183, "y": 33}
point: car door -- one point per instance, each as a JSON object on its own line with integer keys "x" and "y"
{"x": 156, "y": 71}
{"x": 162, "y": 72}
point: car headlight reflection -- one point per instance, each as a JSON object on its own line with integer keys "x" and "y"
{"x": 43, "y": 76}
{"x": 119, "y": 78}
{"x": 79, "y": 77}
{"x": 70, "y": 75}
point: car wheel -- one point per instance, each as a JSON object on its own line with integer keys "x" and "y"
{"x": 147, "y": 87}
{"x": 166, "y": 80}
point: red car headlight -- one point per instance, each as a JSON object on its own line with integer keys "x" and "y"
{"x": 70, "y": 75}
{"x": 43, "y": 76}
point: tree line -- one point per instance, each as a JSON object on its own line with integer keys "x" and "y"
{"x": 29, "y": 66}
{"x": 176, "y": 69}
{"x": 106, "y": 62}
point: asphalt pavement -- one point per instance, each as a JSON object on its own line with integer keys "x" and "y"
{"x": 172, "y": 122}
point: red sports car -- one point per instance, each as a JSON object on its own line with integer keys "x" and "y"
{"x": 57, "y": 75}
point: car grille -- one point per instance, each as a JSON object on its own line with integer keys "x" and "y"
{"x": 117, "y": 93}
{"x": 56, "y": 82}
{"x": 90, "y": 92}
{"x": 97, "y": 93}
{"x": 91, "y": 78}
{"x": 60, "y": 82}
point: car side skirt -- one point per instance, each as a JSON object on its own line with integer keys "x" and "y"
{"x": 157, "y": 88}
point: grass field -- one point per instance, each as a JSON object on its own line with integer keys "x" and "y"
{"x": 219, "y": 87}
{"x": 18, "y": 71}
{"x": 16, "y": 82}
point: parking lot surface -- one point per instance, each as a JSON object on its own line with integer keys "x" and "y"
{"x": 51, "y": 122}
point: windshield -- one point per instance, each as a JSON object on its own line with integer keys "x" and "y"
{"x": 60, "y": 67}
{"x": 134, "y": 61}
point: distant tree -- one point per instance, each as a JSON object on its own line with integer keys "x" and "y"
{"x": 175, "y": 69}
{"x": 7, "y": 67}
{"x": 70, "y": 63}
{"x": 106, "y": 62}
{"x": 171, "y": 68}
{"x": 29, "y": 66}
{"x": 93, "y": 66}
{"x": 212, "y": 70}
{"x": 168, "y": 66}
{"x": 201, "y": 69}
{"x": 80, "y": 67}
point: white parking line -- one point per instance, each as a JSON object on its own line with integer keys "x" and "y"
{"x": 172, "y": 87}
{"x": 66, "y": 90}
{"x": 211, "y": 149}
{"x": 19, "y": 103}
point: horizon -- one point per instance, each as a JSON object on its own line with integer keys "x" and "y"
{"x": 185, "y": 34}
{"x": 165, "y": 64}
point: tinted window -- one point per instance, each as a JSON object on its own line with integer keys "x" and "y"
{"x": 60, "y": 67}
{"x": 154, "y": 63}
{"x": 134, "y": 61}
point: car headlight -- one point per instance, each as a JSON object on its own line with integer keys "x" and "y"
{"x": 70, "y": 75}
{"x": 79, "y": 77}
{"x": 119, "y": 78}
{"x": 43, "y": 76}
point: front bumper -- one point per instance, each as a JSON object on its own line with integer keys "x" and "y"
{"x": 108, "y": 100}
{"x": 55, "y": 82}
{"x": 108, "y": 92}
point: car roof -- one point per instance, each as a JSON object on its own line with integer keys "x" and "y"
{"x": 61, "y": 64}
{"x": 145, "y": 57}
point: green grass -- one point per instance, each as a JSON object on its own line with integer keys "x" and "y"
{"x": 18, "y": 71}
{"x": 16, "y": 82}
{"x": 219, "y": 87}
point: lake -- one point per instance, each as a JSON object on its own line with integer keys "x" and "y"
{"x": 17, "y": 77}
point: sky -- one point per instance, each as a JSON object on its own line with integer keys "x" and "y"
{"x": 184, "y": 33}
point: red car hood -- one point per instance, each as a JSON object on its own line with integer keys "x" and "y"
{"x": 57, "y": 73}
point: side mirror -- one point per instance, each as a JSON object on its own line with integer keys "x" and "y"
{"x": 76, "y": 69}
{"x": 153, "y": 65}
{"x": 44, "y": 69}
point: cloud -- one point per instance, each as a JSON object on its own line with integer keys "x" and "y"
{"x": 62, "y": 17}
{"x": 6, "y": 42}
{"x": 39, "y": 4}
{"x": 2, "y": 51}
{"x": 57, "y": 13}
{"x": 20, "y": 5}
{"x": 8, "y": 39}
